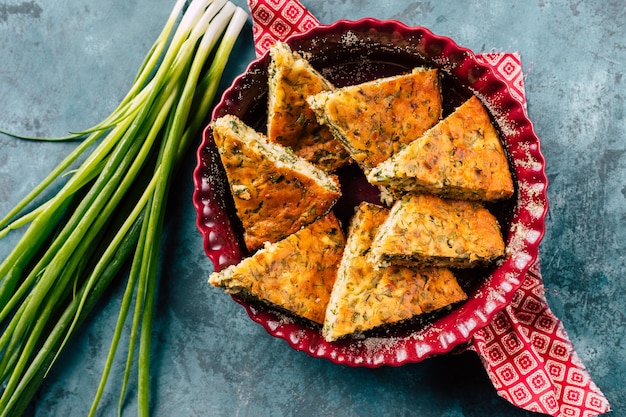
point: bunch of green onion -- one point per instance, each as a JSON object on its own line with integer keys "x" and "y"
{"x": 109, "y": 213}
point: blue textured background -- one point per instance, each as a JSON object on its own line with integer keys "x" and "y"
{"x": 64, "y": 65}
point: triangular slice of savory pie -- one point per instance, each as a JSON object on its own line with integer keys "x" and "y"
{"x": 296, "y": 274}
{"x": 290, "y": 121}
{"x": 461, "y": 157}
{"x": 275, "y": 192}
{"x": 365, "y": 297}
{"x": 431, "y": 231}
{"x": 375, "y": 119}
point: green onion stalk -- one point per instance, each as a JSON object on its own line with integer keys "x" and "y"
{"x": 108, "y": 216}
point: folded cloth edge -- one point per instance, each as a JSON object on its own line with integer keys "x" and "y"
{"x": 530, "y": 359}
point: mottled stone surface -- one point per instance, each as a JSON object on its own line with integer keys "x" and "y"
{"x": 64, "y": 65}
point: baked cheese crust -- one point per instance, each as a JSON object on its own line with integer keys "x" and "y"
{"x": 376, "y": 119}
{"x": 275, "y": 192}
{"x": 296, "y": 274}
{"x": 461, "y": 157}
{"x": 365, "y": 297}
{"x": 290, "y": 120}
{"x": 431, "y": 231}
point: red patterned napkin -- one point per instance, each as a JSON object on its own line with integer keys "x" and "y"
{"x": 530, "y": 359}
{"x": 275, "y": 20}
{"x": 525, "y": 349}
